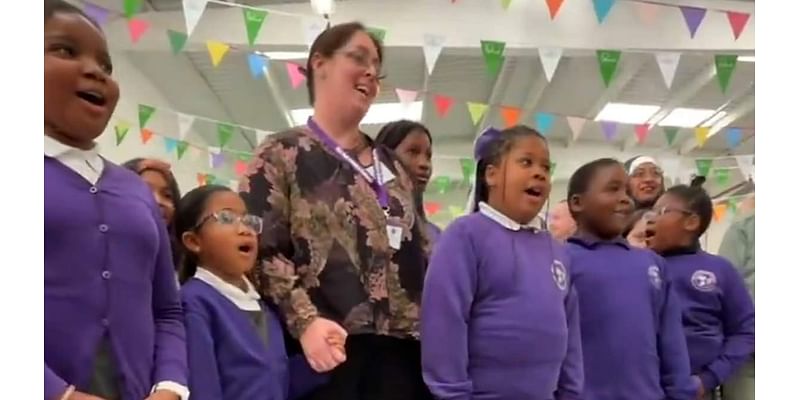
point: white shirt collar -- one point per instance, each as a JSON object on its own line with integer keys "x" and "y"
{"x": 54, "y": 148}
{"x": 507, "y": 222}
{"x": 86, "y": 163}
{"x": 247, "y": 301}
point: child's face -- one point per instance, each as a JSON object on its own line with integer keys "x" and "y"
{"x": 79, "y": 93}
{"x": 605, "y": 208}
{"x": 159, "y": 185}
{"x": 415, "y": 152}
{"x": 671, "y": 223}
{"x": 224, "y": 241}
{"x": 520, "y": 184}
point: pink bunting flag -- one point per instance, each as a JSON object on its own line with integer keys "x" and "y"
{"x": 738, "y": 21}
{"x": 641, "y": 132}
{"x": 240, "y": 167}
{"x": 694, "y": 17}
{"x": 647, "y": 12}
{"x": 136, "y": 28}
{"x": 296, "y": 77}
{"x": 406, "y": 97}
{"x": 443, "y": 104}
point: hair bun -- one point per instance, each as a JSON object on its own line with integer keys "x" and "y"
{"x": 698, "y": 181}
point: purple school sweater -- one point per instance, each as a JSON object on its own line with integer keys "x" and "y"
{"x": 633, "y": 344}
{"x": 499, "y": 318}
{"x": 718, "y": 313}
{"x": 108, "y": 271}
{"x": 227, "y": 357}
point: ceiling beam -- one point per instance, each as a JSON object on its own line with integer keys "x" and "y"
{"x": 278, "y": 98}
{"x": 742, "y": 109}
{"x": 681, "y": 96}
{"x": 499, "y": 87}
{"x": 535, "y": 92}
{"x": 629, "y": 68}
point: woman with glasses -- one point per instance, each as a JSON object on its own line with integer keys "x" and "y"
{"x": 341, "y": 252}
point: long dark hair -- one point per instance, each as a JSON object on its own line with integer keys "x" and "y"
{"x": 391, "y": 135}
{"x": 188, "y": 213}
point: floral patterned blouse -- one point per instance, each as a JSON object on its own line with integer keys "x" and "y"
{"x": 324, "y": 248}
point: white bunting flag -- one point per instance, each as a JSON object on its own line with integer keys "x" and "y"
{"x": 550, "y": 56}
{"x": 576, "y": 125}
{"x": 746, "y": 165}
{"x": 671, "y": 167}
{"x": 192, "y": 11}
{"x": 432, "y": 47}
{"x": 185, "y": 122}
{"x": 312, "y": 27}
{"x": 261, "y": 135}
{"x": 668, "y": 64}
{"x": 406, "y": 97}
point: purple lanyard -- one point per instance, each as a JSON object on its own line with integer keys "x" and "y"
{"x": 375, "y": 182}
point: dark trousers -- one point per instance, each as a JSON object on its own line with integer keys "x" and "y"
{"x": 377, "y": 368}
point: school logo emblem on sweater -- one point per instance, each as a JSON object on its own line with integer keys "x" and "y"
{"x": 704, "y": 281}
{"x": 654, "y": 273}
{"x": 559, "y": 274}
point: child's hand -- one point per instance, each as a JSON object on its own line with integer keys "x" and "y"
{"x": 701, "y": 391}
{"x": 321, "y": 355}
{"x": 163, "y": 395}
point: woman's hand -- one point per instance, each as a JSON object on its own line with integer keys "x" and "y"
{"x": 163, "y": 395}
{"x": 321, "y": 354}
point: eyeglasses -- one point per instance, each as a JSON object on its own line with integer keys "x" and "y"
{"x": 228, "y": 217}
{"x": 665, "y": 210}
{"x": 362, "y": 59}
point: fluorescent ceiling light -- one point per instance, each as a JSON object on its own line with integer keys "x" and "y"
{"x": 627, "y": 113}
{"x": 284, "y": 55}
{"x": 323, "y": 7}
{"x": 716, "y": 118}
{"x": 379, "y": 113}
{"x": 750, "y": 59}
{"x": 687, "y": 117}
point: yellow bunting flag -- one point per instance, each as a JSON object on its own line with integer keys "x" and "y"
{"x": 217, "y": 51}
{"x": 701, "y": 135}
{"x": 476, "y": 111}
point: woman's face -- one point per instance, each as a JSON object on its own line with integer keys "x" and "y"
{"x": 350, "y": 76}
{"x": 415, "y": 152}
{"x": 646, "y": 183}
{"x": 160, "y": 186}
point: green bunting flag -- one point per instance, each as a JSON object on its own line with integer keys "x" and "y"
{"x": 441, "y": 184}
{"x": 732, "y": 205}
{"x": 505, "y": 4}
{"x": 224, "y": 133}
{"x": 467, "y": 168}
{"x": 131, "y": 7}
{"x": 253, "y": 19}
{"x": 725, "y": 64}
{"x": 145, "y": 112}
{"x": 608, "y": 60}
{"x": 120, "y": 131}
{"x": 181, "y": 148}
{"x": 378, "y": 33}
{"x": 722, "y": 176}
{"x": 703, "y": 166}
{"x": 671, "y": 132}
{"x": 493, "y": 55}
{"x": 176, "y": 40}
{"x": 455, "y": 211}
{"x": 553, "y": 165}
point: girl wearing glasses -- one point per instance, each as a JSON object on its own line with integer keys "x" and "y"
{"x": 718, "y": 313}
{"x": 235, "y": 341}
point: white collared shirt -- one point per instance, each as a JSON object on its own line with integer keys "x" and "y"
{"x": 86, "y": 163}
{"x": 506, "y": 222}
{"x": 245, "y": 300}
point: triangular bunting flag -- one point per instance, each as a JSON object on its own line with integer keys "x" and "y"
{"x": 608, "y": 60}
{"x": 746, "y": 166}
{"x": 476, "y": 111}
{"x": 176, "y": 40}
{"x": 258, "y": 64}
{"x": 441, "y": 184}
{"x": 197, "y": 152}
{"x": 647, "y": 12}
{"x": 725, "y": 64}
{"x": 312, "y": 28}
{"x": 217, "y": 51}
{"x": 553, "y": 166}
{"x": 720, "y": 209}
{"x": 406, "y": 97}
{"x": 253, "y": 19}
{"x": 550, "y": 56}
{"x": 455, "y": 211}
{"x": 553, "y": 6}
{"x": 467, "y": 168}
{"x": 136, "y": 28}
{"x": 131, "y": 7}
{"x": 694, "y": 17}
{"x": 377, "y": 33}
{"x": 701, "y": 135}
{"x": 641, "y": 132}
{"x": 120, "y": 131}
{"x": 201, "y": 179}
{"x": 146, "y": 135}
{"x": 671, "y": 133}
{"x": 668, "y": 64}
{"x": 609, "y": 129}
{"x": 431, "y": 49}
{"x": 602, "y": 8}
{"x": 216, "y": 159}
{"x": 98, "y": 14}
{"x": 185, "y": 122}
{"x": 443, "y": 104}
{"x": 544, "y": 122}
{"x": 170, "y": 145}
{"x": 732, "y": 206}
{"x": 432, "y": 208}
{"x": 703, "y": 166}
{"x": 576, "y": 126}
{"x": 261, "y": 135}
{"x": 295, "y": 76}
{"x": 211, "y": 179}
{"x": 493, "y": 55}
{"x": 182, "y": 146}
{"x": 240, "y": 167}
{"x": 733, "y": 136}
{"x": 738, "y": 21}
{"x": 145, "y": 112}
{"x": 510, "y": 115}
{"x": 722, "y": 176}
{"x": 671, "y": 167}
{"x": 211, "y": 152}
{"x": 505, "y": 4}
{"x": 224, "y": 133}
{"x": 192, "y": 11}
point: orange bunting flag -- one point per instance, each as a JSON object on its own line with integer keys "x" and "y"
{"x": 510, "y": 115}
{"x": 720, "y": 209}
{"x": 146, "y": 135}
{"x": 554, "y": 6}
{"x": 201, "y": 179}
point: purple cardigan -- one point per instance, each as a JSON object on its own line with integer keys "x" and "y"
{"x": 108, "y": 271}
